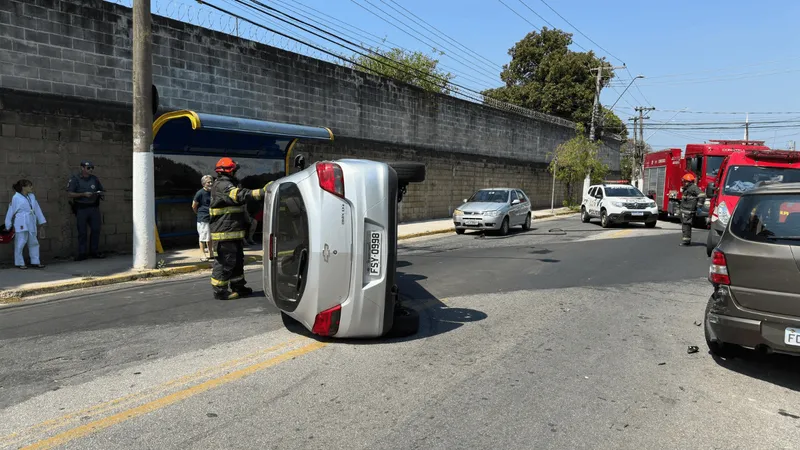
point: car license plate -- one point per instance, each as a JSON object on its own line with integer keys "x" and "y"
{"x": 471, "y": 222}
{"x": 792, "y": 337}
{"x": 637, "y": 213}
{"x": 375, "y": 252}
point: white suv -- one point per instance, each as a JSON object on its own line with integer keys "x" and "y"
{"x": 618, "y": 203}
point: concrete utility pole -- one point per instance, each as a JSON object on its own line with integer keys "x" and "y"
{"x": 638, "y": 161}
{"x": 595, "y": 110}
{"x": 144, "y": 216}
{"x": 553, "y": 193}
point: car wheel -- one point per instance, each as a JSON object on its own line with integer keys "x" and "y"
{"x": 527, "y": 225}
{"x": 584, "y": 215}
{"x": 716, "y": 347}
{"x": 408, "y": 172}
{"x": 709, "y": 245}
{"x": 406, "y": 323}
{"x": 504, "y": 227}
{"x": 459, "y": 231}
{"x": 651, "y": 224}
{"x": 604, "y": 222}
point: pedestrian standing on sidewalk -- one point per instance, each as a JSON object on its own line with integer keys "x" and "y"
{"x": 25, "y": 215}
{"x": 200, "y": 205}
{"x": 86, "y": 191}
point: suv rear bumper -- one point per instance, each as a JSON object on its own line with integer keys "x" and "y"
{"x": 730, "y": 323}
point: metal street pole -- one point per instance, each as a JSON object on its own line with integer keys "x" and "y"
{"x": 595, "y": 108}
{"x": 553, "y": 193}
{"x": 144, "y": 220}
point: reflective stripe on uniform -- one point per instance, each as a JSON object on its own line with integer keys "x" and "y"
{"x": 226, "y": 210}
{"x": 228, "y": 235}
{"x": 257, "y": 194}
{"x": 215, "y": 282}
{"x": 233, "y": 194}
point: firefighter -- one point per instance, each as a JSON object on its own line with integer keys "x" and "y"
{"x": 691, "y": 194}
{"x": 228, "y": 229}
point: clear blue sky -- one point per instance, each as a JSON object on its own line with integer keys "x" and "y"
{"x": 705, "y": 56}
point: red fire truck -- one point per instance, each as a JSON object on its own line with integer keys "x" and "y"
{"x": 663, "y": 171}
{"x": 741, "y": 172}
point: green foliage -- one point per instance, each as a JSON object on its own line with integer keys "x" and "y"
{"x": 545, "y": 75}
{"x": 577, "y": 158}
{"x": 610, "y": 123}
{"x": 414, "y": 68}
{"x": 627, "y": 154}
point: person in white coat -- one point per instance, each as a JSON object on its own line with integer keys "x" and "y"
{"x": 25, "y": 215}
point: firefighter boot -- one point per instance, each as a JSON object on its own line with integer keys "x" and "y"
{"x": 242, "y": 291}
{"x": 225, "y": 295}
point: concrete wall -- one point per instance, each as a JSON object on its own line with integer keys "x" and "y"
{"x": 75, "y": 56}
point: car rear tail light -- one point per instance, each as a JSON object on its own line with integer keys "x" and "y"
{"x": 718, "y": 272}
{"x": 331, "y": 178}
{"x": 327, "y": 322}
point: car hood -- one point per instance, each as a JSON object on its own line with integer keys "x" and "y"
{"x": 481, "y": 206}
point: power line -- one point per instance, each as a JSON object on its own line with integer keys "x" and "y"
{"x": 448, "y": 37}
{"x": 520, "y": 15}
{"x": 582, "y": 34}
{"x": 466, "y": 64}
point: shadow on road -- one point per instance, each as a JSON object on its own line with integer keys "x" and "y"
{"x": 435, "y": 316}
{"x": 782, "y": 370}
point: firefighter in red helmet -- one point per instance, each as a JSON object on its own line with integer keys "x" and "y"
{"x": 228, "y": 229}
{"x": 691, "y": 194}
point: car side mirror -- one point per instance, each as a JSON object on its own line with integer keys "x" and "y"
{"x": 515, "y": 201}
{"x": 300, "y": 162}
{"x": 598, "y": 196}
{"x": 710, "y": 190}
{"x": 465, "y": 200}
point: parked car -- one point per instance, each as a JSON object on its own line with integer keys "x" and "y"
{"x": 618, "y": 203}
{"x": 755, "y": 271}
{"x": 330, "y": 247}
{"x": 495, "y": 209}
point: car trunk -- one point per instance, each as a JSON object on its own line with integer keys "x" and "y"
{"x": 765, "y": 276}
{"x": 334, "y": 251}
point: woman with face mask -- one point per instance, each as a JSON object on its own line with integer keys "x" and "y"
{"x": 25, "y": 215}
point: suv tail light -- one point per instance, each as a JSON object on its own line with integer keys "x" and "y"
{"x": 327, "y": 322}
{"x": 331, "y": 178}
{"x": 718, "y": 272}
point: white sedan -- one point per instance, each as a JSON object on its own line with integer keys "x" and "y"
{"x": 330, "y": 247}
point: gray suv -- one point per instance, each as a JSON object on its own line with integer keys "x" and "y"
{"x": 755, "y": 271}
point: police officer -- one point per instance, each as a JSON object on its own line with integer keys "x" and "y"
{"x": 86, "y": 191}
{"x": 689, "y": 199}
{"x": 228, "y": 229}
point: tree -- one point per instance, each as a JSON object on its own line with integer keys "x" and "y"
{"x": 414, "y": 68}
{"x": 577, "y": 158}
{"x": 545, "y": 75}
{"x": 627, "y": 153}
{"x": 610, "y": 123}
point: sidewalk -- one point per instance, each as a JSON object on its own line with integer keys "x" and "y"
{"x": 16, "y": 284}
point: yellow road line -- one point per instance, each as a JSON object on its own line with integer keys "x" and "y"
{"x": 106, "y": 422}
{"x": 620, "y": 234}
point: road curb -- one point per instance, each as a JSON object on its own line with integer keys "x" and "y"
{"x": 452, "y": 230}
{"x": 12, "y": 296}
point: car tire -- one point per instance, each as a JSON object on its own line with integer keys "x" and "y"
{"x": 709, "y": 245}
{"x": 651, "y": 224}
{"x": 527, "y": 225}
{"x": 717, "y": 348}
{"x": 406, "y": 323}
{"x": 460, "y": 231}
{"x": 409, "y": 172}
{"x": 584, "y": 215}
{"x": 604, "y": 222}
{"x": 504, "y": 227}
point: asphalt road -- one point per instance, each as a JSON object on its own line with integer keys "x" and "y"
{"x": 568, "y": 336}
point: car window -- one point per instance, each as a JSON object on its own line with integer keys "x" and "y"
{"x": 623, "y": 191}
{"x": 768, "y": 218}
{"x": 591, "y": 192}
{"x": 290, "y": 228}
{"x": 741, "y": 179}
{"x": 522, "y": 197}
{"x": 490, "y": 195}
{"x": 513, "y": 195}
{"x": 599, "y": 192}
